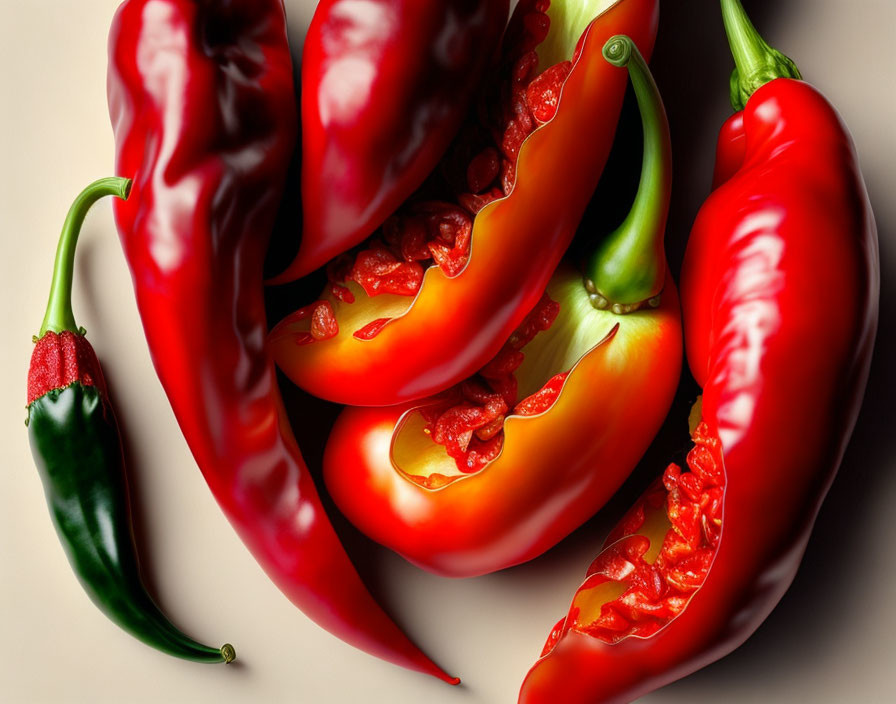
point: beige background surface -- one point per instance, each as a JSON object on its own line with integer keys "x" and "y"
{"x": 831, "y": 640}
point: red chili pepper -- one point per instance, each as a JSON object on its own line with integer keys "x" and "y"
{"x": 385, "y": 87}
{"x": 780, "y": 293}
{"x": 487, "y": 256}
{"x": 206, "y": 191}
{"x": 501, "y": 467}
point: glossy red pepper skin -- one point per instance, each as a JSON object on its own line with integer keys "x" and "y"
{"x": 499, "y": 469}
{"x": 554, "y": 471}
{"x": 202, "y": 105}
{"x": 780, "y": 294}
{"x": 385, "y": 86}
{"x": 455, "y": 325}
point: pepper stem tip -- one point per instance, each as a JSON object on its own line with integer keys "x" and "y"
{"x": 618, "y": 50}
{"x": 228, "y": 652}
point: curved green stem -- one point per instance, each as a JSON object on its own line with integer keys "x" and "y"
{"x": 629, "y": 267}
{"x": 59, "y": 316}
{"x": 757, "y": 63}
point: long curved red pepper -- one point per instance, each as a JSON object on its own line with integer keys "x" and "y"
{"x": 202, "y": 105}
{"x": 385, "y": 86}
{"x": 475, "y": 479}
{"x": 457, "y": 323}
{"x": 780, "y": 294}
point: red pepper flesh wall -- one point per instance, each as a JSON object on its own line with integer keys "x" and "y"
{"x": 499, "y": 468}
{"x": 385, "y": 86}
{"x": 780, "y": 291}
{"x": 195, "y": 230}
{"x": 524, "y": 483}
{"x": 486, "y": 259}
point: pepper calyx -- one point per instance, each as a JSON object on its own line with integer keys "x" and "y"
{"x": 756, "y": 62}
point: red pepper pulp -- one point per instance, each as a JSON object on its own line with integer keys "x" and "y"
{"x": 453, "y": 273}
{"x": 658, "y": 555}
{"x": 468, "y": 419}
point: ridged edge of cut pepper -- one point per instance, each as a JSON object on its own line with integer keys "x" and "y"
{"x": 362, "y": 366}
{"x": 782, "y": 379}
{"x": 557, "y": 467}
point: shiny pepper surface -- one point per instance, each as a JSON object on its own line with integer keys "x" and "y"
{"x": 498, "y": 469}
{"x": 780, "y": 295}
{"x": 203, "y": 110}
{"x": 552, "y": 470}
{"x": 385, "y": 86}
{"x": 457, "y": 322}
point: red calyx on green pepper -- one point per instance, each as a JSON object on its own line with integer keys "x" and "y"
{"x": 702, "y": 559}
{"x": 77, "y": 449}
{"x": 445, "y": 284}
{"x": 499, "y": 468}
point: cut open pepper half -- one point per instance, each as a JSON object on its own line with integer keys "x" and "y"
{"x": 706, "y": 554}
{"x": 433, "y": 297}
{"x": 499, "y": 468}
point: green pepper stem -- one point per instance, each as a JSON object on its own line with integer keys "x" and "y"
{"x": 756, "y": 62}
{"x": 629, "y": 267}
{"x": 59, "y": 316}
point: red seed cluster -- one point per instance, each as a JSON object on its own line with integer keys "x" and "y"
{"x": 468, "y": 419}
{"x": 656, "y": 593}
{"x": 323, "y": 322}
{"x": 60, "y": 360}
{"x": 437, "y": 232}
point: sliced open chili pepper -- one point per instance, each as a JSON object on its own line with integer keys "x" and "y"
{"x": 206, "y": 191}
{"x": 77, "y": 448}
{"x": 780, "y": 293}
{"x": 498, "y": 469}
{"x": 453, "y": 278}
{"x": 385, "y": 87}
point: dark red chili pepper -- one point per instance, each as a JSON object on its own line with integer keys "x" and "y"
{"x": 77, "y": 448}
{"x": 202, "y": 105}
{"x": 499, "y": 468}
{"x": 385, "y": 86}
{"x": 780, "y": 295}
{"x": 448, "y": 280}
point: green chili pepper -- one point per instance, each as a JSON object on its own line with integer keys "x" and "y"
{"x": 77, "y": 449}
